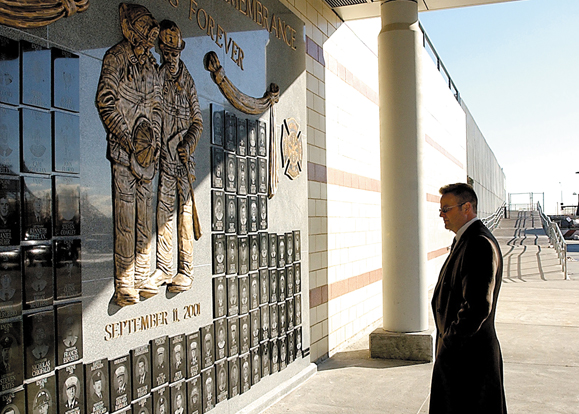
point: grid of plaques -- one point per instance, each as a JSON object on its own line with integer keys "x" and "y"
{"x": 40, "y": 273}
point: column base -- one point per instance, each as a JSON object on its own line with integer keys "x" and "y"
{"x": 414, "y": 346}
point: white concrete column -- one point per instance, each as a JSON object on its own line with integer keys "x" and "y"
{"x": 401, "y": 139}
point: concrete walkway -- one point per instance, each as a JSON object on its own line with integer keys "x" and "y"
{"x": 537, "y": 324}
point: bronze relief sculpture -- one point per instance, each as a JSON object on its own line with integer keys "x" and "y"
{"x": 292, "y": 148}
{"x": 32, "y": 13}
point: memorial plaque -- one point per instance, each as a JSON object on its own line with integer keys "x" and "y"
{"x": 96, "y": 376}
{"x": 232, "y": 296}
{"x": 217, "y": 124}
{"x": 282, "y": 352}
{"x": 273, "y": 320}
{"x": 298, "y": 309}
{"x": 140, "y": 360}
{"x": 265, "y": 359}
{"x": 282, "y": 317}
{"x": 160, "y": 363}
{"x": 194, "y": 347}
{"x": 242, "y": 224}
{"x": 217, "y": 167}
{"x": 13, "y": 402}
{"x": 233, "y": 336}
{"x": 10, "y": 283}
{"x": 231, "y": 262}
{"x": 120, "y": 370}
{"x": 254, "y": 290}
{"x": 69, "y": 333}
{"x": 179, "y": 397}
{"x": 38, "y": 280}
{"x": 9, "y": 71}
{"x": 178, "y": 363}
{"x": 253, "y": 179}
{"x": 273, "y": 250}
{"x": 37, "y": 208}
{"x": 264, "y": 312}
{"x": 9, "y": 137}
{"x": 299, "y": 342}
{"x": 231, "y": 212}
{"x": 281, "y": 282}
{"x": 39, "y": 343}
{"x": 67, "y": 254}
{"x": 245, "y": 362}
{"x": 298, "y": 277}
{"x": 230, "y": 132}
{"x": 161, "y": 400}
{"x": 36, "y": 75}
{"x": 262, "y": 212}
{"x": 218, "y": 253}
{"x": 244, "y": 338}
{"x": 36, "y": 141}
{"x": 143, "y": 405}
{"x": 67, "y": 206}
{"x": 263, "y": 286}
{"x": 66, "y": 141}
{"x": 219, "y": 297}
{"x": 261, "y": 139}
{"x": 297, "y": 246}
{"x": 281, "y": 253}
{"x": 207, "y": 347}
{"x": 274, "y": 352}
{"x": 231, "y": 172}
{"x": 70, "y": 389}
{"x": 291, "y": 350}
{"x": 12, "y": 363}
{"x": 255, "y": 319}
{"x": 252, "y": 137}
{"x": 208, "y": 379}
{"x": 262, "y": 175}
{"x": 253, "y": 220}
{"x": 194, "y": 393}
{"x": 241, "y": 137}
{"x": 243, "y": 244}
{"x": 221, "y": 349}
{"x": 289, "y": 258}
{"x": 253, "y": 252}
{"x": 65, "y": 72}
{"x": 218, "y": 210}
{"x": 255, "y": 366}
{"x": 290, "y": 313}
{"x": 243, "y": 294}
{"x": 241, "y": 176}
{"x": 234, "y": 377}
{"x": 273, "y": 291}
{"x": 222, "y": 385}
{"x": 263, "y": 250}
{"x": 290, "y": 283}
{"x": 41, "y": 396}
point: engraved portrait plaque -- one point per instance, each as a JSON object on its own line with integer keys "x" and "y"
{"x": 234, "y": 377}
{"x": 160, "y": 360}
{"x": 291, "y": 346}
{"x": 10, "y": 283}
{"x": 253, "y": 252}
{"x": 231, "y": 261}
{"x": 217, "y": 167}
{"x": 243, "y": 243}
{"x": 253, "y": 179}
{"x": 69, "y": 333}
{"x": 12, "y": 362}
{"x": 9, "y": 138}
{"x": 232, "y": 296}
{"x": 289, "y": 258}
{"x": 143, "y": 405}
{"x": 233, "y": 336}
{"x": 297, "y": 246}
{"x": 263, "y": 249}
{"x": 120, "y": 371}
{"x": 298, "y": 309}
{"x": 207, "y": 345}
{"x": 208, "y": 379}
{"x": 252, "y": 137}
{"x": 298, "y": 342}
{"x": 36, "y": 141}
{"x": 241, "y": 137}
{"x": 96, "y": 376}
{"x": 254, "y": 290}
{"x": 241, "y": 176}
{"x": 242, "y": 216}
{"x": 141, "y": 369}
{"x": 222, "y": 385}
{"x": 39, "y": 343}
{"x": 273, "y": 250}
{"x": 219, "y": 297}
{"x": 264, "y": 312}
{"x": 37, "y": 208}
{"x": 161, "y": 400}
{"x": 264, "y": 286}
{"x": 255, "y": 319}
{"x": 38, "y": 280}
{"x": 230, "y": 172}
{"x": 274, "y": 352}
{"x": 231, "y": 213}
{"x": 67, "y": 254}
{"x": 273, "y": 291}
{"x": 9, "y": 71}
{"x": 218, "y": 253}
{"x": 41, "y": 395}
{"x": 245, "y": 362}
{"x": 217, "y": 124}
{"x": 194, "y": 393}
{"x": 289, "y": 271}
{"x": 282, "y": 352}
{"x": 262, "y": 202}
{"x": 255, "y": 366}
{"x": 253, "y": 220}
{"x": 244, "y": 334}
{"x": 178, "y": 357}
{"x": 36, "y": 75}
{"x": 65, "y": 80}
{"x": 265, "y": 359}
{"x": 290, "y": 312}
{"x": 282, "y": 318}
{"x": 262, "y": 175}
{"x": 230, "y": 132}
{"x": 281, "y": 283}
{"x": 67, "y": 206}
{"x": 13, "y": 402}
{"x": 281, "y": 253}
{"x": 273, "y": 320}
{"x": 178, "y": 398}
{"x": 261, "y": 139}
{"x": 218, "y": 210}
{"x": 193, "y": 354}
{"x": 66, "y": 142}
{"x": 243, "y": 294}
{"x": 298, "y": 276}
{"x": 70, "y": 389}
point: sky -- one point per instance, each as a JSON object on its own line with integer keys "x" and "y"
{"x": 516, "y": 66}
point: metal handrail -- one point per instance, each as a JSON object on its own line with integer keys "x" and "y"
{"x": 492, "y": 221}
{"x": 555, "y": 238}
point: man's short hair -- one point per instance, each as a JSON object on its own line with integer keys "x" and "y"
{"x": 463, "y": 192}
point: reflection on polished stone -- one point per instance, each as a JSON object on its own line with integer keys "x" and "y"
{"x": 9, "y": 141}
{"x": 36, "y": 141}
{"x": 67, "y": 206}
{"x": 36, "y": 85}
{"x": 69, "y": 333}
{"x": 39, "y": 343}
{"x": 38, "y": 279}
{"x": 65, "y": 72}
{"x": 66, "y": 142}
{"x": 12, "y": 363}
{"x": 9, "y": 212}
{"x": 67, "y": 260}
{"x": 9, "y": 71}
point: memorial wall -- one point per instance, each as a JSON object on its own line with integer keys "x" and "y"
{"x": 153, "y": 206}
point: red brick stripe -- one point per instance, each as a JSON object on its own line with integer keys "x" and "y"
{"x": 322, "y": 294}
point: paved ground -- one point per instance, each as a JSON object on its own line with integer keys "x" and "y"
{"x": 537, "y": 324}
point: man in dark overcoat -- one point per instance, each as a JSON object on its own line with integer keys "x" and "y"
{"x": 468, "y": 370}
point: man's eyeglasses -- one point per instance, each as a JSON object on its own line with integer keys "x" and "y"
{"x": 447, "y": 209}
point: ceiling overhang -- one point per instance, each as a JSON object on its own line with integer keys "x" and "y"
{"x": 363, "y": 9}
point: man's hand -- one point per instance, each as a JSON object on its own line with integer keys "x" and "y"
{"x": 184, "y": 151}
